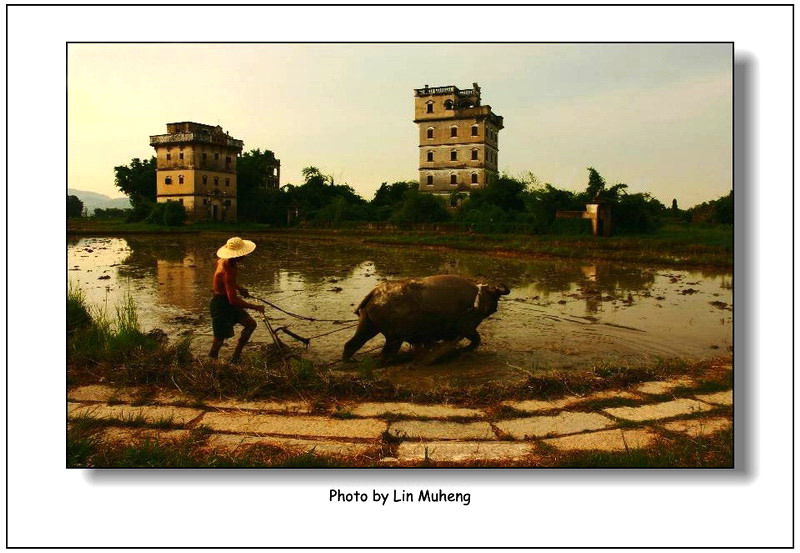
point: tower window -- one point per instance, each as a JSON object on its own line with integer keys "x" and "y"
{"x": 453, "y": 132}
{"x": 227, "y": 160}
{"x": 180, "y": 178}
{"x": 474, "y": 154}
{"x": 169, "y": 156}
{"x": 453, "y": 178}
{"x": 474, "y": 130}
{"x": 474, "y": 178}
{"x": 430, "y": 156}
{"x": 216, "y": 181}
{"x": 167, "y": 180}
{"x": 227, "y": 203}
{"x": 205, "y": 178}
{"x": 453, "y": 155}
{"x": 448, "y": 104}
{"x": 429, "y": 107}
{"x": 429, "y": 180}
{"x": 204, "y": 156}
{"x": 180, "y": 155}
{"x": 430, "y": 132}
{"x": 227, "y": 182}
{"x": 216, "y": 156}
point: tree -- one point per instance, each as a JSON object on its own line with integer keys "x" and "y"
{"x": 74, "y": 207}
{"x": 171, "y": 214}
{"x": 388, "y": 196}
{"x": 257, "y": 202}
{"x": 596, "y": 183}
{"x": 138, "y": 181}
{"x": 420, "y": 207}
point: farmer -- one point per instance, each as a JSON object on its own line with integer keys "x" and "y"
{"x": 227, "y": 309}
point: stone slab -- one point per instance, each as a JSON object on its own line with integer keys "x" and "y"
{"x": 717, "y": 398}
{"x": 605, "y": 440}
{"x": 440, "y": 430}
{"x": 563, "y": 423}
{"x": 301, "y": 425}
{"x": 100, "y": 392}
{"x": 657, "y": 411}
{"x": 130, "y": 436}
{"x": 150, "y": 414}
{"x": 699, "y": 427}
{"x": 274, "y": 406}
{"x": 464, "y": 451}
{"x": 231, "y": 442}
{"x": 534, "y": 405}
{"x": 413, "y": 410}
{"x": 663, "y": 386}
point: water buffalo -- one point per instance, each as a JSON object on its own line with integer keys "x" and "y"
{"x": 422, "y": 311}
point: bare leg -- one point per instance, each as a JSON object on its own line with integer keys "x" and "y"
{"x": 215, "y": 346}
{"x": 249, "y": 326}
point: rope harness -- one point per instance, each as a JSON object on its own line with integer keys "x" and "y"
{"x": 305, "y": 341}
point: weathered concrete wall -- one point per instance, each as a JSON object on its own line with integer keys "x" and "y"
{"x": 448, "y": 137}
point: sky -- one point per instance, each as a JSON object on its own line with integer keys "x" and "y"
{"x": 657, "y": 117}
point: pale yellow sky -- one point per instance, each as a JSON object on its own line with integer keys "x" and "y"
{"x": 655, "y": 116}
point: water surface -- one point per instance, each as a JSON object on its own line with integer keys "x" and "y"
{"x": 560, "y": 313}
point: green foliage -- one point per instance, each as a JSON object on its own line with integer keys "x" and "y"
{"x": 78, "y": 316}
{"x": 92, "y": 337}
{"x": 716, "y": 211}
{"x": 596, "y": 183}
{"x": 258, "y": 202}
{"x": 388, "y": 197}
{"x": 137, "y": 181}
{"x": 636, "y": 213}
{"x": 74, "y": 207}
{"x": 171, "y": 214}
{"x": 420, "y": 207}
{"x": 111, "y": 213}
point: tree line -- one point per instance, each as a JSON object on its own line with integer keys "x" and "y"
{"x": 509, "y": 203}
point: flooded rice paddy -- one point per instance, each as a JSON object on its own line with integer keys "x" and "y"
{"x": 560, "y": 313}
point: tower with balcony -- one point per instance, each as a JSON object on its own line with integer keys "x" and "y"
{"x": 458, "y": 139}
{"x": 196, "y": 166}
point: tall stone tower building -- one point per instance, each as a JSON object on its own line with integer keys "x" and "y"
{"x": 457, "y": 139}
{"x": 196, "y": 166}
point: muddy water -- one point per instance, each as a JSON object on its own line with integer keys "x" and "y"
{"x": 560, "y": 313}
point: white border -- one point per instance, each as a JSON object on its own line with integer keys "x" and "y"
{"x": 50, "y": 506}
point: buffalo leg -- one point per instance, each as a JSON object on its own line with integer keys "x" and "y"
{"x": 390, "y": 348}
{"x": 364, "y": 333}
{"x": 474, "y": 340}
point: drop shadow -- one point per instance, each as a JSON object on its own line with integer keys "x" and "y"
{"x": 745, "y": 286}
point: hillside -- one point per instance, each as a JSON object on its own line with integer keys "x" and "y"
{"x": 93, "y": 200}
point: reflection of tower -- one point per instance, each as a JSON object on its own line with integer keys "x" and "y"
{"x": 196, "y": 166}
{"x": 458, "y": 142}
{"x": 177, "y": 281}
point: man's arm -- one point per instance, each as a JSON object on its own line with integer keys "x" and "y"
{"x": 231, "y": 288}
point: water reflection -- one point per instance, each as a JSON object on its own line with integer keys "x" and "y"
{"x": 560, "y": 312}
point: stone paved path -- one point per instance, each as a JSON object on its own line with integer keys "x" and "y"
{"x": 405, "y": 434}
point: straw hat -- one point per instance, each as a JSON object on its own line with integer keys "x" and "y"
{"x": 236, "y": 247}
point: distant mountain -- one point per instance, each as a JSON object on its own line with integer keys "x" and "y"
{"x": 93, "y": 200}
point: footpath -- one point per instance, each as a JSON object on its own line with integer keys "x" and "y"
{"x": 407, "y": 434}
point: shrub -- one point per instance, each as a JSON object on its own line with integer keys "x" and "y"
{"x": 171, "y": 214}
